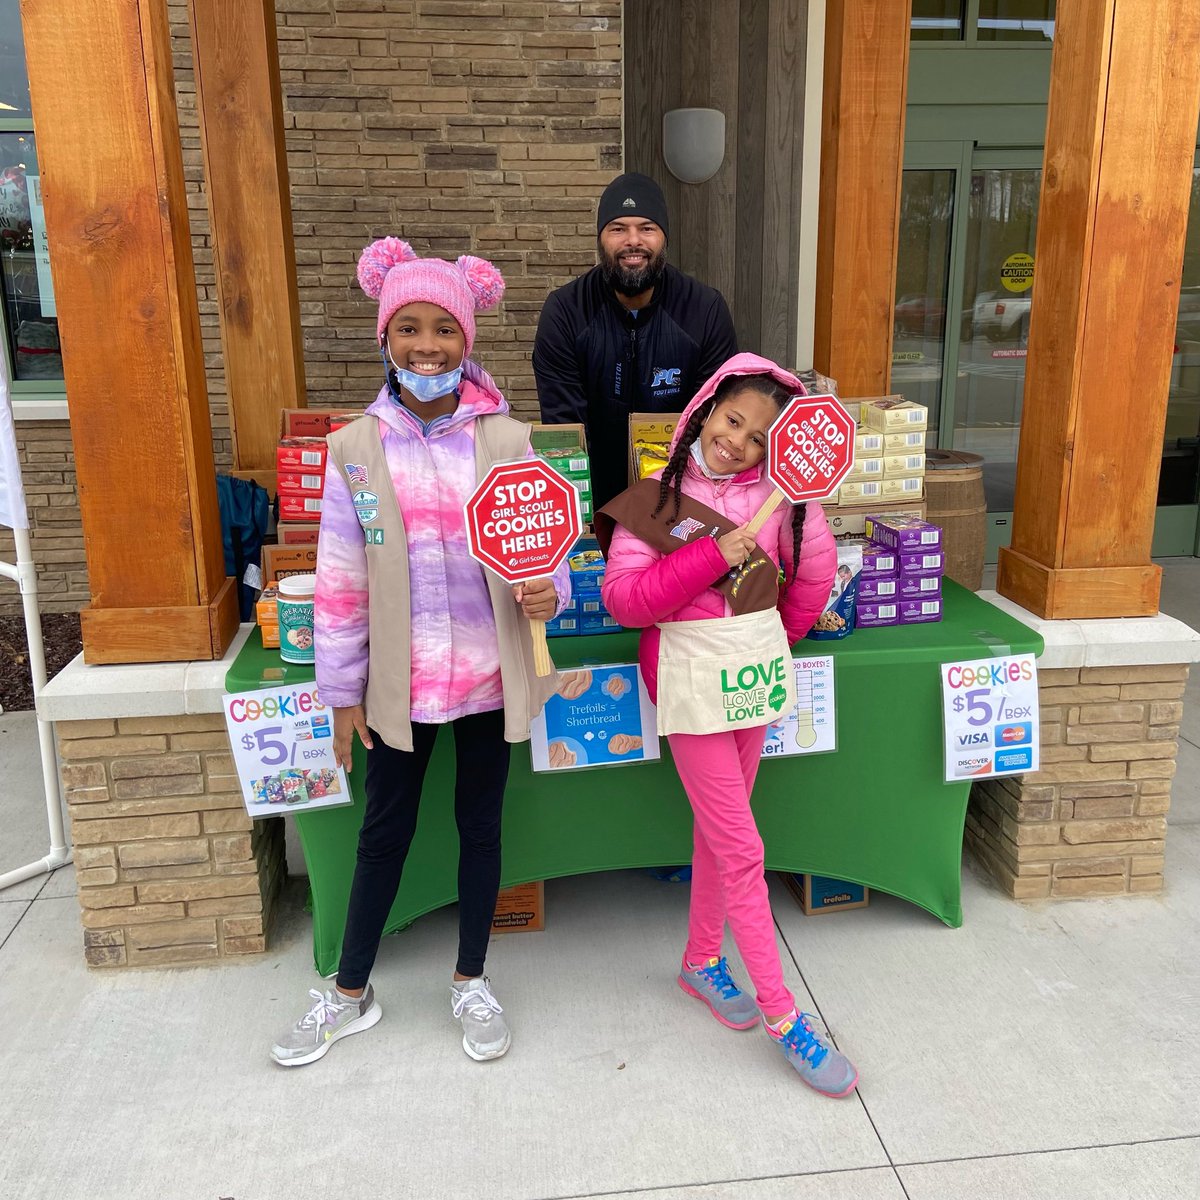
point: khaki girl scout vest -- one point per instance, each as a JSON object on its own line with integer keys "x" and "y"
{"x": 389, "y": 666}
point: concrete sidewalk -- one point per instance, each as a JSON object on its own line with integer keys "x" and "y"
{"x": 1042, "y": 1050}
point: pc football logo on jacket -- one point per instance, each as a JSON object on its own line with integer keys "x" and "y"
{"x": 665, "y": 381}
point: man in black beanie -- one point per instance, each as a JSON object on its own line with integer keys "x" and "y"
{"x": 631, "y": 335}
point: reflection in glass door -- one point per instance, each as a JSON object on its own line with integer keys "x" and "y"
{"x": 922, "y": 275}
{"x": 998, "y": 276}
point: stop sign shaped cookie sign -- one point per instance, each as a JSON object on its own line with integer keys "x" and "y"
{"x": 522, "y": 521}
{"x": 810, "y": 448}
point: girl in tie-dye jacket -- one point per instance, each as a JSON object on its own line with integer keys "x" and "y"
{"x": 412, "y": 634}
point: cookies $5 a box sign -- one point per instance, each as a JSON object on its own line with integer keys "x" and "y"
{"x": 990, "y": 715}
{"x": 282, "y": 741}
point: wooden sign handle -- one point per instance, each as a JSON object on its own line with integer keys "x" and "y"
{"x": 769, "y": 505}
{"x": 542, "y": 663}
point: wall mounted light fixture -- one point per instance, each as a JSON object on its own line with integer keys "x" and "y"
{"x": 693, "y": 143}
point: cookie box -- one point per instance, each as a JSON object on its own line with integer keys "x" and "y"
{"x": 917, "y": 612}
{"x": 869, "y": 443}
{"x": 872, "y": 613}
{"x": 894, "y": 414}
{"x": 878, "y": 561}
{"x": 919, "y": 587}
{"x": 899, "y": 466}
{"x": 299, "y": 508}
{"x": 910, "y": 442}
{"x": 300, "y": 483}
{"x": 878, "y": 587}
{"x": 301, "y": 454}
{"x": 904, "y": 532}
{"x": 866, "y": 467}
{"x": 923, "y": 562}
{"x": 599, "y": 622}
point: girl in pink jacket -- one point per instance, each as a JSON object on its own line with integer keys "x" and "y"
{"x": 719, "y": 608}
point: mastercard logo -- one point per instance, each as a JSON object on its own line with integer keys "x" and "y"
{"x": 1012, "y": 733}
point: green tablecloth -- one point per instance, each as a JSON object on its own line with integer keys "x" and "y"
{"x": 875, "y": 812}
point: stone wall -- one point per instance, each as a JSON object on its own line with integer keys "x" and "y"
{"x": 55, "y": 534}
{"x": 169, "y": 866}
{"x": 484, "y": 126}
{"x": 1092, "y": 821}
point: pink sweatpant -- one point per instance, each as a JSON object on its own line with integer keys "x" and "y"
{"x": 718, "y": 770}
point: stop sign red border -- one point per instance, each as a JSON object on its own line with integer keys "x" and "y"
{"x": 812, "y": 435}
{"x": 482, "y": 505}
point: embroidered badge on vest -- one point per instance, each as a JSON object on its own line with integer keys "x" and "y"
{"x": 366, "y": 506}
{"x": 686, "y": 528}
{"x": 356, "y": 473}
{"x": 374, "y": 537}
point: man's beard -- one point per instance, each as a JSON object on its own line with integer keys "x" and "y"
{"x": 628, "y": 282}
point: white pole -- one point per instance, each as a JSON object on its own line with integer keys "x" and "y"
{"x": 60, "y": 853}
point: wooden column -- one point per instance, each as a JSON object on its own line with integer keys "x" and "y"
{"x": 862, "y": 156}
{"x": 108, "y": 146}
{"x": 240, "y": 105}
{"x": 1120, "y": 137}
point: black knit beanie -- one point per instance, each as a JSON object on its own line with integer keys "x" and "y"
{"x": 632, "y": 195}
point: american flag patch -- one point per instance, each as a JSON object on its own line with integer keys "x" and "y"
{"x": 686, "y": 528}
{"x": 356, "y": 474}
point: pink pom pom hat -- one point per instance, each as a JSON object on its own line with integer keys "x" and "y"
{"x": 390, "y": 271}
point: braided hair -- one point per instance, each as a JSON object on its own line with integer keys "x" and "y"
{"x": 670, "y": 484}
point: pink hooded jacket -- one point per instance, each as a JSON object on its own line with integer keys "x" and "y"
{"x": 642, "y": 587}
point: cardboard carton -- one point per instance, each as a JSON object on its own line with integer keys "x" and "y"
{"x": 820, "y": 894}
{"x": 521, "y": 908}
{"x": 297, "y": 533}
{"x": 851, "y": 522}
{"x": 656, "y": 428}
{"x": 278, "y": 562}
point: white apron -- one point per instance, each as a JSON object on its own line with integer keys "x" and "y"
{"x": 724, "y": 673}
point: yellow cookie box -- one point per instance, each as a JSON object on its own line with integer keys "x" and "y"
{"x": 866, "y": 468}
{"x": 869, "y": 444}
{"x": 894, "y": 414}
{"x": 910, "y": 442}
{"x": 901, "y": 466}
{"x": 872, "y": 490}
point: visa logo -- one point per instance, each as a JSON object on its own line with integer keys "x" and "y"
{"x": 978, "y": 738}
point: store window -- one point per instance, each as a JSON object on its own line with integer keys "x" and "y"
{"x": 922, "y": 273}
{"x": 28, "y": 319}
{"x": 938, "y": 20}
{"x": 1016, "y": 21}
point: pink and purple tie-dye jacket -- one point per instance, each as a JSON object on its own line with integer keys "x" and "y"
{"x": 455, "y": 655}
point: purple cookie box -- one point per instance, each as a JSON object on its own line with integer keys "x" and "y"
{"x": 871, "y": 613}
{"x": 918, "y": 587}
{"x": 924, "y": 562}
{"x": 900, "y": 532}
{"x": 878, "y": 562}
{"x": 918, "y": 612}
{"x": 879, "y": 587}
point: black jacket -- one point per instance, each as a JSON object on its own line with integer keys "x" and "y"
{"x": 595, "y": 362}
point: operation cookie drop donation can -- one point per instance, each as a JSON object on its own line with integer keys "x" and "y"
{"x": 296, "y": 618}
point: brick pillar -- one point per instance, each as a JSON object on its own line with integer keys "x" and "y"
{"x": 170, "y": 868}
{"x": 1092, "y": 821}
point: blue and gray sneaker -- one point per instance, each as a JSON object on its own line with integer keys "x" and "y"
{"x": 713, "y": 984}
{"x": 820, "y": 1065}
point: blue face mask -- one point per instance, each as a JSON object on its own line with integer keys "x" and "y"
{"x": 425, "y": 388}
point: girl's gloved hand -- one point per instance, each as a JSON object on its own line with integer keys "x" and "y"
{"x": 345, "y": 722}
{"x": 537, "y": 598}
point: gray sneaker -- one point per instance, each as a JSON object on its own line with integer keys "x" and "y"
{"x": 330, "y": 1017}
{"x": 713, "y": 984}
{"x": 816, "y": 1060}
{"x": 485, "y": 1031}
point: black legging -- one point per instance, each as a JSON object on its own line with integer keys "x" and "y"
{"x": 394, "y": 780}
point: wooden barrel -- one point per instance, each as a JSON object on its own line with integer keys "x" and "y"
{"x": 955, "y": 501}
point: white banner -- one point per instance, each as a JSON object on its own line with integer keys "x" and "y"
{"x": 990, "y": 715}
{"x": 41, "y": 247}
{"x": 12, "y": 494}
